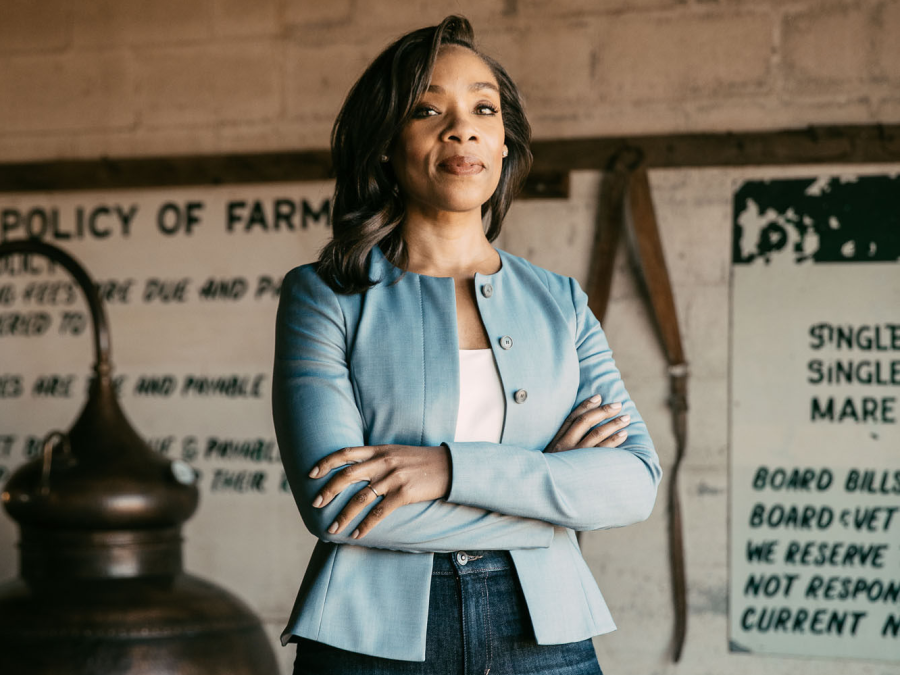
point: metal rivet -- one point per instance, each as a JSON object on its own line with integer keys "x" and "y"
{"x": 520, "y": 396}
{"x": 506, "y": 342}
{"x": 462, "y": 558}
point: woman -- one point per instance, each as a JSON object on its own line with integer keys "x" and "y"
{"x": 406, "y": 355}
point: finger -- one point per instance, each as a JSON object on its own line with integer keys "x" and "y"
{"x": 601, "y": 433}
{"x": 355, "y": 473}
{"x": 582, "y": 426}
{"x": 378, "y": 513}
{"x": 583, "y": 407}
{"x": 344, "y": 456}
{"x": 615, "y": 440}
{"x": 592, "y": 418}
{"x": 354, "y": 507}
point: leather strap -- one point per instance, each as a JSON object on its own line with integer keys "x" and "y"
{"x": 610, "y": 221}
{"x": 626, "y": 175}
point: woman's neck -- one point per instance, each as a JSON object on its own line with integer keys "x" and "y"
{"x": 452, "y": 247}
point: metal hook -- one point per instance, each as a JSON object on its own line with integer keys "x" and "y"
{"x": 625, "y": 159}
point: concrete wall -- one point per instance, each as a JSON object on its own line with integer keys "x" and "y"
{"x": 133, "y": 77}
{"x": 128, "y": 78}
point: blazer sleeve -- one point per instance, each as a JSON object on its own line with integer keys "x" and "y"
{"x": 315, "y": 414}
{"x": 582, "y": 488}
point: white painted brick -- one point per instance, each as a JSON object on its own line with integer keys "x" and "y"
{"x": 705, "y": 331}
{"x": 28, "y": 26}
{"x": 888, "y": 40}
{"x": 381, "y": 22}
{"x": 887, "y": 111}
{"x": 826, "y": 45}
{"x": 631, "y": 569}
{"x": 553, "y": 234}
{"x": 396, "y": 16}
{"x": 275, "y": 136}
{"x": 678, "y": 202}
{"x": 481, "y": 13}
{"x": 709, "y": 115}
{"x": 117, "y": 143}
{"x": 238, "y": 18}
{"x": 552, "y": 63}
{"x": 560, "y": 103}
{"x": 675, "y": 57}
{"x": 782, "y": 112}
{"x": 707, "y": 428}
{"x": 348, "y": 22}
{"x": 208, "y": 84}
{"x": 631, "y": 334}
{"x": 608, "y": 118}
{"x": 319, "y": 78}
{"x": 704, "y": 505}
{"x": 72, "y": 92}
{"x": 539, "y": 8}
{"x": 138, "y": 22}
{"x": 306, "y": 12}
{"x": 624, "y": 560}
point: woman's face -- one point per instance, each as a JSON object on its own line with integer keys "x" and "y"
{"x": 449, "y": 155}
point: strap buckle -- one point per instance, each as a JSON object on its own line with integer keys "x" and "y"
{"x": 679, "y": 369}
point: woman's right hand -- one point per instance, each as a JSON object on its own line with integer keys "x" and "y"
{"x": 579, "y": 429}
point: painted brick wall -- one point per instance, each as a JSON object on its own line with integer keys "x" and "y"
{"x": 136, "y": 78}
{"x": 129, "y": 78}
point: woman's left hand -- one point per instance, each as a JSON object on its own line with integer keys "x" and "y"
{"x": 399, "y": 474}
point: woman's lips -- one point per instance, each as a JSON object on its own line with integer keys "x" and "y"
{"x": 461, "y": 165}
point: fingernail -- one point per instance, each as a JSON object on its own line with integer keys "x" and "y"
{"x": 622, "y": 434}
{"x": 333, "y": 528}
{"x": 355, "y": 534}
{"x": 596, "y": 398}
{"x": 314, "y": 472}
{"x": 317, "y": 502}
{"x": 625, "y": 418}
{"x": 615, "y": 406}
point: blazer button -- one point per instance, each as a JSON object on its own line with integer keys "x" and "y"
{"x": 506, "y": 342}
{"x": 487, "y": 290}
{"x": 520, "y": 396}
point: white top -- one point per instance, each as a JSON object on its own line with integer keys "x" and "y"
{"x": 481, "y": 400}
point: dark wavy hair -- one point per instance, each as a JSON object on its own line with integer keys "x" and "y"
{"x": 367, "y": 208}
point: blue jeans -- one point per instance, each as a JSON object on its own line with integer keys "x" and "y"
{"x": 477, "y": 625}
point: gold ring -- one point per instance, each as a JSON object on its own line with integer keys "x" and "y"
{"x": 373, "y": 490}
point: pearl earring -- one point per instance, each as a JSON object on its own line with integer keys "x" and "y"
{"x": 385, "y": 158}
{"x": 505, "y": 152}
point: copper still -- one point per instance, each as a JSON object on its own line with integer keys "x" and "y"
{"x": 101, "y": 588}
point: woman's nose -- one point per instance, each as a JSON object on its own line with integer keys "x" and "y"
{"x": 459, "y": 127}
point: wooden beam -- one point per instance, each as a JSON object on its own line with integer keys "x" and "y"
{"x": 106, "y": 173}
{"x": 554, "y": 159}
{"x": 815, "y": 145}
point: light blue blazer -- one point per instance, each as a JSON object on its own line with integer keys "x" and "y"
{"x": 383, "y": 367}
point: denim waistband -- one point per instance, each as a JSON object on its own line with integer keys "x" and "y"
{"x": 471, "y": 562}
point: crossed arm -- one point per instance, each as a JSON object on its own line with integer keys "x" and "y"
{"x": 499, "y": 497}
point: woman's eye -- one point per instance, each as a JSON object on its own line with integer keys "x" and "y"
{"x": 487, "y": 109}
{"x": 424, "y": 111}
